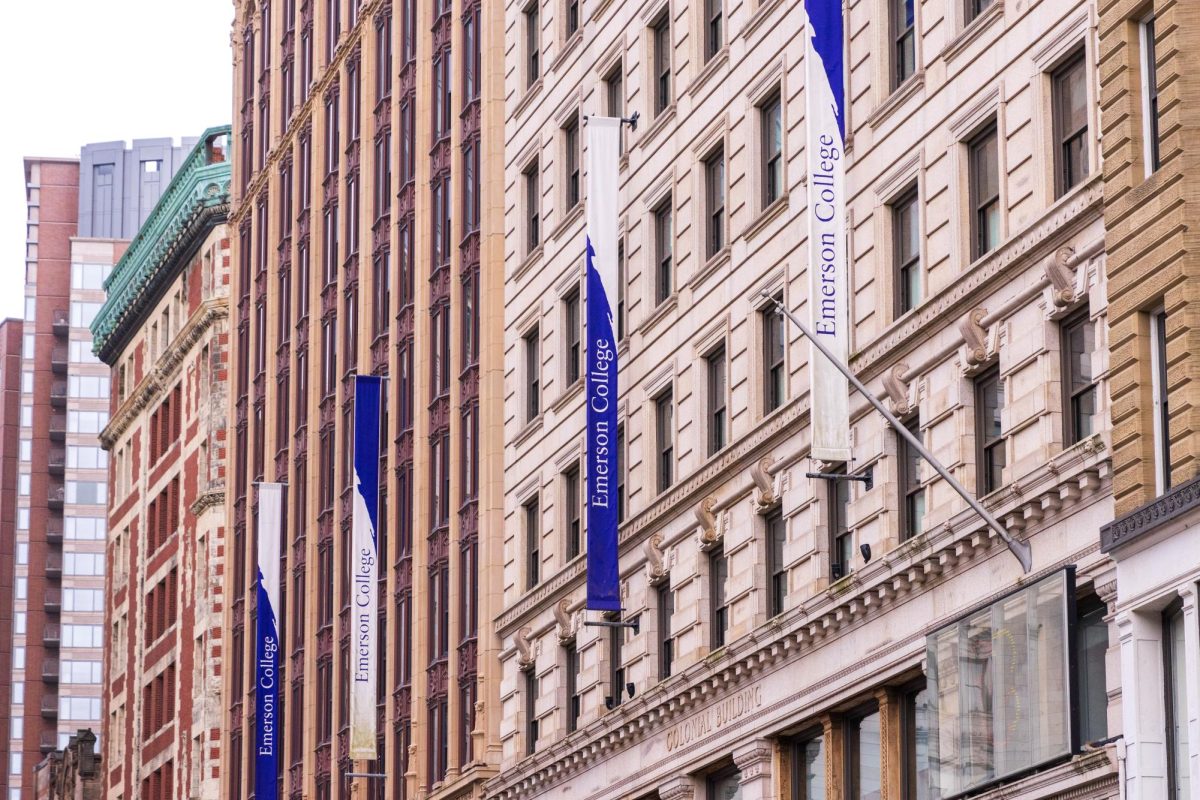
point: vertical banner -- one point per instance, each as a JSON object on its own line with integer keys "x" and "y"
{"x": 828, "y": 285}
{"x": 364, "y": 560}
{"x": 603, "y": 575}
{"x": 266, "y": 642}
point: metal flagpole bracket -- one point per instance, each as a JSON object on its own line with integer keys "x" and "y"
{"x": 634, "y": 624}
{"x": 1022, "y": 550}
{"x": 632, "y": 121}
{"x": 364, "y": 774}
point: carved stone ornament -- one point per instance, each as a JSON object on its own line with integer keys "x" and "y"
{"x": 1061, "y": 276}
{"x": 566, "y": 625}
{"x": 524, "y": 648}
{"x": 760, "y": 473}
{"x": 897, "y": 389}
{"x": 656, "y": 567}
{"x": 975, "y": 337}
{"x": 706, "y": 516}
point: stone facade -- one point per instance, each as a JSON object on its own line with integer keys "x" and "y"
{"x": 164, "y": 332}
{"x": 72, "y": 773}
{"x": 817, "y": 636}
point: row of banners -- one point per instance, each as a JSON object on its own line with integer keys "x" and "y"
{"x": 828, "y": 304}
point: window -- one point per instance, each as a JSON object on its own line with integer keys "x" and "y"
{"x": 87, "y": 492}
{"x": 808, "y": 768}
{"x": 533, "y": 544}
{"x": 718, "y": 608}
{"x": 531, "y": 720}
{"x": 664, "y": 438}
{"x": 86, "y": 564}
{"x": 1069, "y": 87}
{"x": 975, "y": 8}
{"x": 83, "y": 600}
{"x": 1078, "y": 341}
{"x": 713, "y": 35}
{"x": 771, "y": 122}
{"x": 1091, "y": 645}
{"x": 999, "y": 692}
{"x": 664, "y": 247}
{"x": 864, "y": 755}
{"x": 82, "y": 313}
{"x": 616, "y": 666}
{"x": 904, "y": 41}
{"x": 533, "y": 52}
{"x": 841, "y": 538}
{"x": 614, "y": 94}
{"x": 1150, "y": 120}
{"x": 572, "y": 16}
{"x": 984, "y": 159}
{"x": 714, "y": 199}
{"x": 717, "y": 400}
{"x": 774, "y": 350}
{"x": 912, "y": 493}
{"x": 82, "y": 636}
{"x": 621, "y": 290}
{"x": 571, "y": 146}
{"x": 906, "y": 252}
{"x": 571, "y": 337}
{"x": 84, "y": 528}
{"x": 660, "y": 33}
{"x": 622, "y": 506}
{"x": 777, "y": 573}
{"x": 572, "y": 511}
{"x": 533, "y": 376}
{"x": 989, "y": 439}
{"x": 91, "y": 276}
{"x": 571, "y": 669}
{"x": 1161, "y": 406}
{"x": 1175, "y": 662}
{"x": 723, "y": 785}
{"x": 665, "y": 609}
{"x": 533, "y": 196}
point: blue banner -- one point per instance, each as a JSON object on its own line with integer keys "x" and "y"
{"x": 365, "y": 568}
{"x": 603, "y": 569}
{"x": 267, "y": 645}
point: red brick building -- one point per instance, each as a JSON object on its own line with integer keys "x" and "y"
{"x": 10, "y": 410}
{"x": 164, "y": 332}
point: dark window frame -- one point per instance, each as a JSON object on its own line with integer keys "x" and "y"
{"x": 622, "y": 497}
{"x": 664, "y": 439}
{"x": 714, "y": 202}
{"x": 717, "y": 382}
{"x": 616, "y": 666}
{"x": 664, "y": 608}
{"x": 571, "y": 147}
{"x": 533, "y": 542}
{"x": 664, "y": 251}
{"x": 906, "y": 266}
{"x": 981, "y": 204}
{"x": 531, "y": 720}
{"x": 718, "y": 603}
{"x": 1148, "y": 34}
{"x": 1161, "y": 397}
{"x": 660, "y": 35}
{"x": 973, "y": 8}
{"x": 851, "y": 777}
{"x": 837, "y": 497}
{"x": 770, "y": 115}
{"x": 573, "y": 336}
{"x": 572, "y": 17}
{"x": 775, "y": 526}
{"x": 571, "y": 682}
{"x": 774, "y": 344}
{"x": 904, "y": 40}
{"x": 912, "y": 491}
{"x": 714, "y": 21}
{"x": 990, "y": 473}
{"x": 1175, "y": 608}
{"x": 1073, "y": 397}
{"x": 533, "y": 53}
{"x": 614, "y": 97}
{"x": 573, "y": 510}
{"x": 533, "y": 200}
{"x": 533, "y": 373}
{"x": 1065, "y": 141}
{"x": 797, "y": 748}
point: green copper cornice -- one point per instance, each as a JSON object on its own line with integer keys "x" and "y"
{"x": 196, "y": 199}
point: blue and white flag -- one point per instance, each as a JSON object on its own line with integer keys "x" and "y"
{"x": 828, "y": 285}
{"x": 365, "y": 568}
{"x": 603, "y": 573}
{"x": 266, "y": 643}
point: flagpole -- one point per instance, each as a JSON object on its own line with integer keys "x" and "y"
{"x": 1021, "y": 550}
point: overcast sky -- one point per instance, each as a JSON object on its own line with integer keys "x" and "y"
{"x": 80, "y": 71}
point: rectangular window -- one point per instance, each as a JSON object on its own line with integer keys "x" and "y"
{"x": 808, "y": 768}
{"x": 777, "y": 573}
{"x": 1078, "y": 342}
{"x": 718, "y": 607}
{"x": 660, "y": 33}
{"x": 622, "y": 502}
{"x": 572, "y": 16}
{"x": 984, "y": 160}
{"x": 621, "y": 290}
{"x": 614, "y": 94}
{"x": 572, "y": 336}
{"x": 989, "y": 439}
{"x": 571, "y": 667}
{"x": 1091, "y": 646}
{"x": 571, "y": 148}
{"x": 616, "y": 666}
{"x": 774, "y": 351}
{"x": 906, "y": 252}
{"x": 912, "y": 493}
{"x": 533, "y": 53}
{"x": 664, "y": 249}
{"x": 841, "y": 538}
{"x": 714, "y": 198}
{"x": 533, "y": 375}
{"x": 664, "y": 439}
{"x": 717, "y": 400}
{"x": 904, "y": 41}
{"x": 572, "y": 508}
{"x": 723, "y": 785}
{"x": 1150, "y": 120}
{"x": 999, "y": 691}
{"x": 771, "y": 123}
{"x": 864, "y": 755}
{"x": 714, "y": 37}
{"x": 665, "y": 609}
{"x": 1069, "y": 89}
{"x": 914, "y": 742}
{"x": 533, "y": 199}
{"x": 533, "y": 544}
{"x": 1161, "y": 406}
{"x": 1175, "y": 663}
{"x": 975, "y": 8}
{"x": 531, "y": 720}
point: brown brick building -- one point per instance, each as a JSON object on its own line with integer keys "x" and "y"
{"x": 367, "y": 238}
{"x": 164, "y": 332}
{"x": 10, "y": 409}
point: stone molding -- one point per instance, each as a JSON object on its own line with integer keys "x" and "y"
{"x": 1158, "y": 512}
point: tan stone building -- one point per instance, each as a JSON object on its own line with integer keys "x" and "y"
{"x": 804, "y": 637}
{"x": 367, "y": 219}
{"x": 1150, "y": 193}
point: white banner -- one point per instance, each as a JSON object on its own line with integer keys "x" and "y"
{"x": 828, "y": 285}
{"x": 364, "y": 580}
{"x": 267, "y": 647}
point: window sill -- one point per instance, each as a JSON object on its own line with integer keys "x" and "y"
{"x": 972, "y": 31}
{"x": 766, "y": 216}
{"x": 760, "y": 15}
{"x": 719, "y": 60}
{"x": 663, "y": 120}
{"x": 572, "y": 216}
{"x": 568, "y": 394}
{"x": 533, "y": 426}
{"x": 899, "y": 96}
{"x": 535, "y": 255}
{"x": 718, "y": 260}
{"x": 569, "y": 47}
{"x": 526, "y": 100}
{"x": 661, "y": 310}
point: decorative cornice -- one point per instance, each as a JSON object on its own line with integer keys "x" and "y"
{"x": 195, "y": 200}
{"x": 1158, "y": 512}
{"x": 208, "y": 499}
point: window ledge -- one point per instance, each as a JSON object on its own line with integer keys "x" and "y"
{"x": 526, "y": 100}
{"x": 533, "y": 426}
{"x": 569, "y": 47}
{"x": 657, "y": 125}
{"x": 899, "y": 96}
{"x": 572, "y": 216}
{"x": 663, "y": 309}
{"x": 973, "y": 31}
{"x": 719, "y": 60}
{"x": 567, "y": 395}
{"x": 718, "y": 260}
{"x": 766, "y": 216}
{"x": 759, "y": 16}
{"x": 535, "y": 255}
